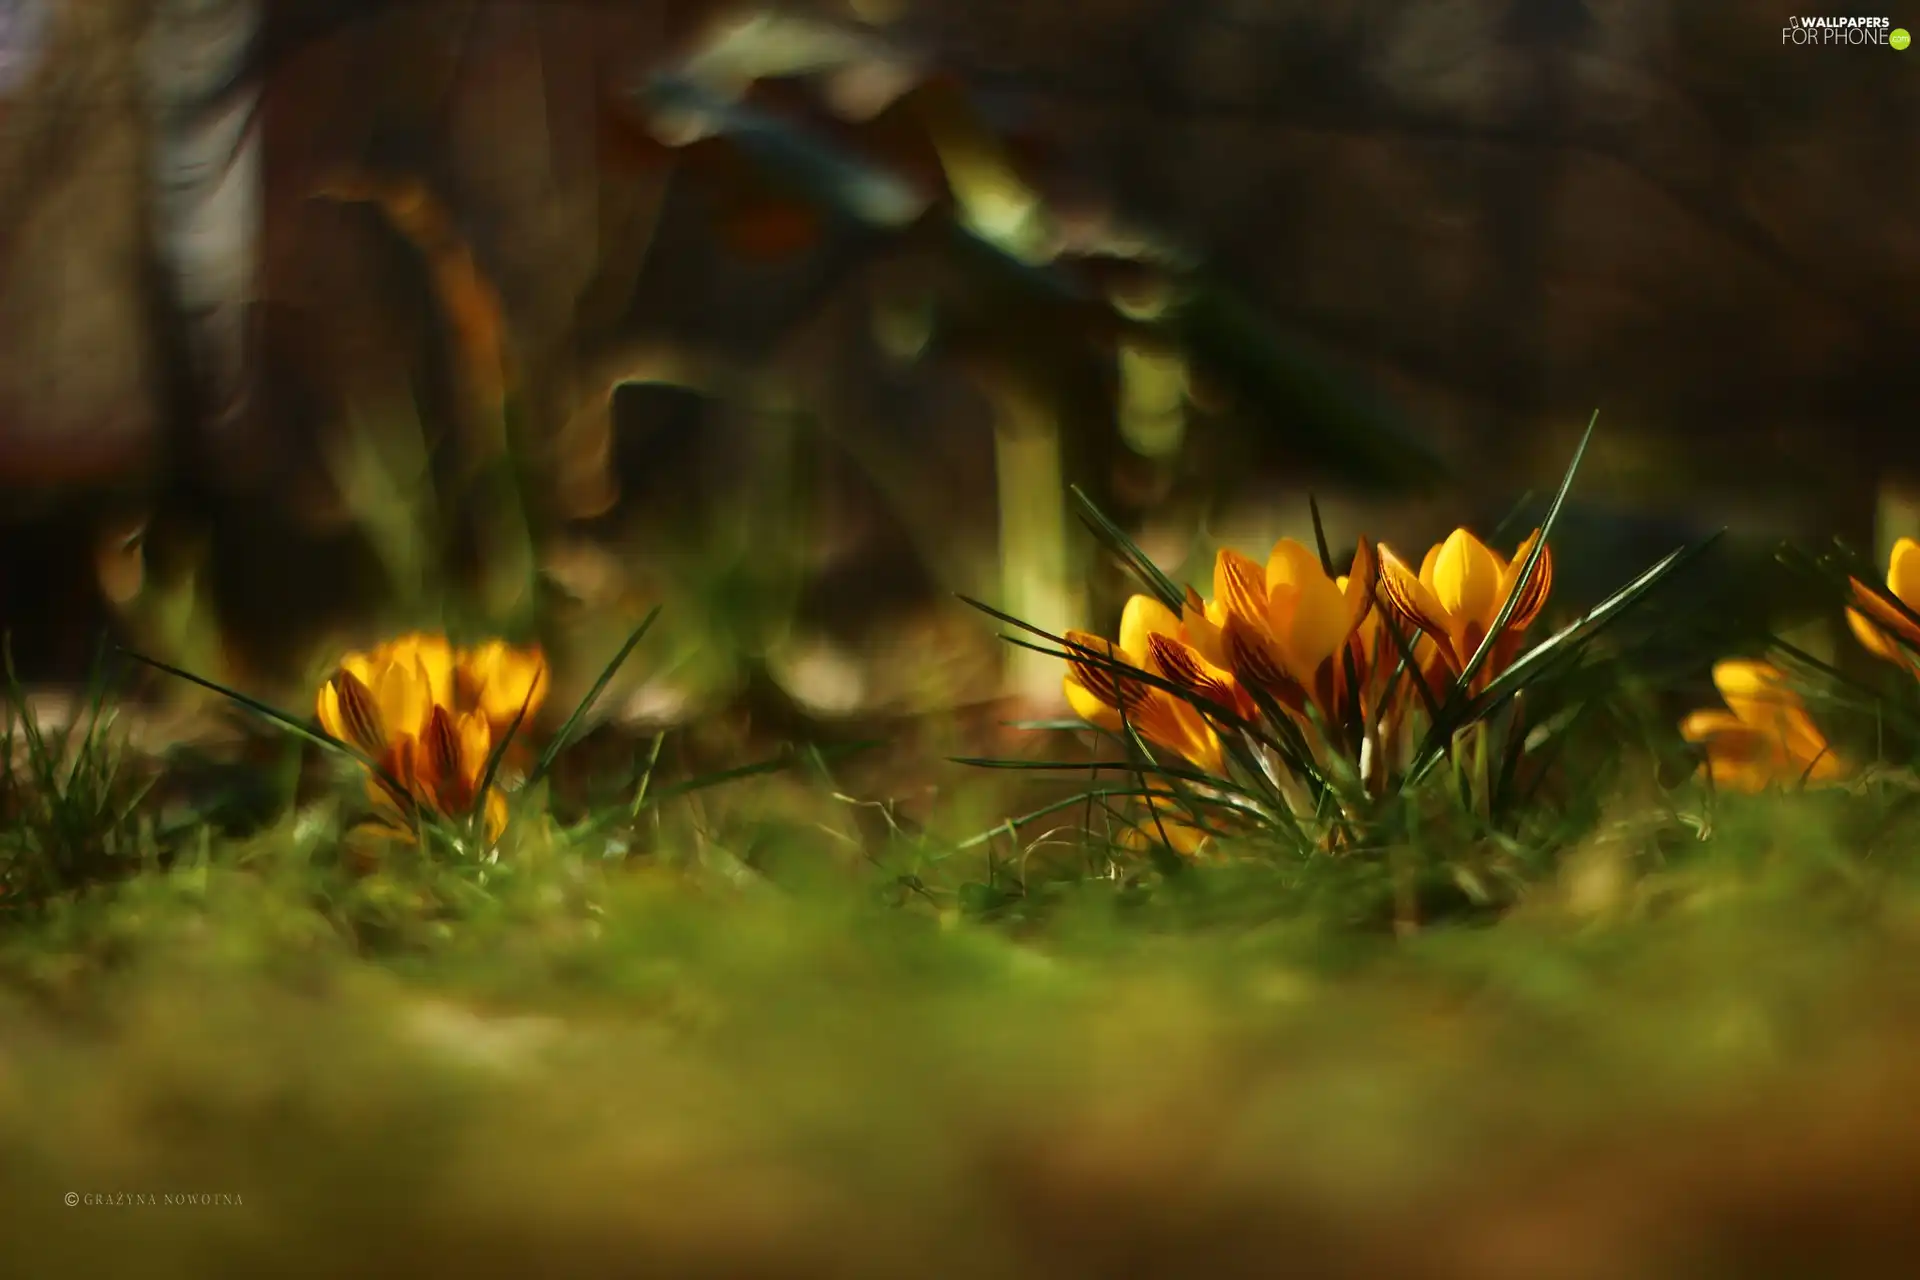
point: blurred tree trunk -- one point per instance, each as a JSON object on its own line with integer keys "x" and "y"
{"x": 77, "y": 367}
{"x": 203, "y": 113}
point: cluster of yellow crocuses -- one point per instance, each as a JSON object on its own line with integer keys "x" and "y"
{"x": 1290, "y": 636}
{"x": 430, "y": 716}
{"x": 1765, "y": 736}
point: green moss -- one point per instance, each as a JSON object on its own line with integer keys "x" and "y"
{"x": 654, "y": 1073}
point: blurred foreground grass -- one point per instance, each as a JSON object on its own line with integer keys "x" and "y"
{"x": 1685, "y": 1056}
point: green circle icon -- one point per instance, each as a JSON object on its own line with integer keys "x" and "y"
{"x": 1899, "y": 38}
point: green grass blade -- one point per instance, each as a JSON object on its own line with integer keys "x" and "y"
{"x": 1320, "y": 537}
{"x": 499, "y": 753}
{"x": 1485, "y": 650}
{"x": 561, "y": 738}
{"x": 1409, "y": 667}
{"x": 295, "y": 726}
{"x": 1069, "y": 651}
{"x": 1503, "y": 531}
{"x": 1115, "y": 539}
{"x": 1038, "y": 766}
{"x": 1074, "y": 766}
{"x": 1561, "y": 645}
{"x": 1162, "y": 852}
{"x": 1855, "y": 568}
{"x": 642, "y": 783}
{"x": 1897, "y": 710}
{"x": 786, "y": 759}
{"x": 1048, "y": 810}
{"x": 1355, "y": 724}
{"x": 40, "y": 763}
{"x": 692, "y": 786}
{"x": 1459, "y": 704}
{"x": 298, "y": 728}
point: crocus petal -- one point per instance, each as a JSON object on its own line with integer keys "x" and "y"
{"x": 476, "y": 746}
{"x": 1093, "y": 670}
{"x": 1708, "y": 725}
{"x": 1801, "y": 737}
{"x": 1427, "y": 562}
{"x": 1873, "y": 638}
{"x": 1466, "y": 581}
{"x": 1739, "y": 756}
{"x": 1828, "y": 766}
{"x": 389, "y": 809}
{"x": 1189, "y": 734}
{"x": 1143, "y": 618}
{"x": 1088, "y": 706}
{"x": 1167, "y": 722}
{"x": 1344, "y": 584}
{"x": 349, "y": 712}
{"x": 1311, "y": 627}
{"x": 364, "y": 667}
{"x": 500, "y": 680}
{"x": 1885, "y": 615}
{"x": 496, "y": 815}
{"x": 1292, "y": 561}
{"x": 1240, "y": 585}
{"x": 401, "y": 764}
{"x": 439, "y": 766}
{"x": 1201, "y": 622}
{"x": 1309, "y": 612}
{"x": 1165, "y": 819}
{"x": 1182, "y": 665}
{"x": 1533, "y": 596}
{"x": 1257, "y": 662}
{"x": 1903, "y": 573}
{"x": 1758, "y": 694}
{"x": 327, "y": 708}
{"x": 1732, "y": 774}
{"x": 1199, "y": 743}
{"x": 1415, "y": 603}
{"x": 1371, "y": 633}
{"x": 434, "y": 658}
{"x": 401, "y": 692}
{"x": 1359, "y": 582}
{"x": 1903, "y": 584}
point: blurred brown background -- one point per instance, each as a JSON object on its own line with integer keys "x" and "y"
{"x": 1498, "y": 215}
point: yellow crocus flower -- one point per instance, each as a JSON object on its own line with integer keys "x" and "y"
{"x": 498, "y": 680}
{"x": 429, "y": 717}
{"x": 1765, "y": 735}
{"x": 1166, "y": 821}
{"x": 1885, "y": 632}
{"x": 1457, "y": 596}
{"x": 1287, "y": 623}
{"x": 1152, "y": 639}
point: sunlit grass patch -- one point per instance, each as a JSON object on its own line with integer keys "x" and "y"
{"x": 70, "y": 793}
{"x": 1021, "y": 1071}
{"x": 719, "y": 1083}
